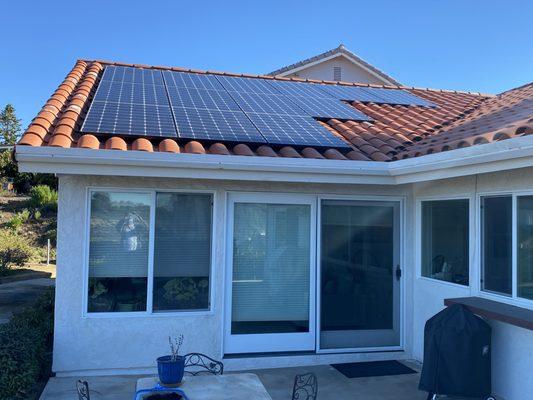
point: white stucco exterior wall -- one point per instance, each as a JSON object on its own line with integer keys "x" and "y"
{"x": 512, "y": 347}
{"x": 130, "y": 344}
{"x": 324, "y": 71}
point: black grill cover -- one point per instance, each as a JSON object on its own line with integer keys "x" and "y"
{"x": 456, "y": 354}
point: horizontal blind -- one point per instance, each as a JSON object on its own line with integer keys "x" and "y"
{"x": 119, "y": 237}
{"x": 271, "y": 256}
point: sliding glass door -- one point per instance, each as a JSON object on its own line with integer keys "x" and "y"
{"x": 359, "y": 274}
{"x": 270, "y": 298}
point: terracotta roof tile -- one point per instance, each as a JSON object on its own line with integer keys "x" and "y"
{"x": 397, "y": 131}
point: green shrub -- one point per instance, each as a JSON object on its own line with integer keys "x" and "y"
{"x": 37, "y": 215}
{"x": 43, "y": 198}
{"x": 18, "y": 219}
{"x": 25, "y": 350}
{"x": 15, "y": 250}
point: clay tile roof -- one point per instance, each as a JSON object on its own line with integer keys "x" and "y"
{"x": 460, "y": 119}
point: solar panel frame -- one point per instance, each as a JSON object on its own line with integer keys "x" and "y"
{"x": 399, "y": 97}
{"x": 216, "y": 125}
{"x": 295, "y": 130}
{"x": 132, "y": 75}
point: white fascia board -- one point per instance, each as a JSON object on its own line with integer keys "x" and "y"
{"x": 499, "y": 156}
{"x": 199, "y": 166}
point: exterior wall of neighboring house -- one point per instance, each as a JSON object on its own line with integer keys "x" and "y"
{"x": 349, "y": 72}
{"x": 129, "y": 344}
{"x": 512, "y": 346}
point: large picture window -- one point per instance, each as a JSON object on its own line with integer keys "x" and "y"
{"x": 120, "y": 253}
{"x": 445, "y": 242}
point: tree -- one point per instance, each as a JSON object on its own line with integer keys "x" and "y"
{"x": 9, "y": 126}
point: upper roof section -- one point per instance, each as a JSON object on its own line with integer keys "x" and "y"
{"x": 396, "y": 131}
{"x": 341, "y": 52}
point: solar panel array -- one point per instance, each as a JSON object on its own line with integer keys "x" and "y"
{"x": 150, "y": 102}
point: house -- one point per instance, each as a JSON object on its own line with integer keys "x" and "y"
{"x": 277, "y": 222}
{"x": 338, "y": 64}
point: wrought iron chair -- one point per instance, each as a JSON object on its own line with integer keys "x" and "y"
{"x": 305, "y": 387}
{"x": 83, "y": 390}
{"x": 197, "y": 363}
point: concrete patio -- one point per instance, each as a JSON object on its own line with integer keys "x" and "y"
{"x": 278, "y": 382}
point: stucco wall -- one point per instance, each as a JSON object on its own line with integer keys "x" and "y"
{"x": 512, "y": 350}
{"x": 350, "y": 72}
{"x": 123, "y": 344}
{"x": 130, "y": 344}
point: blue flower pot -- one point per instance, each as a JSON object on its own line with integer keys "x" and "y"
{"x": 170, "y": 372}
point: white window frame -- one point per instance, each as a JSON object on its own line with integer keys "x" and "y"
{"x": 471, "y": 238}
{"x": 149, "y": 301}
{"x": 513, "y": 298}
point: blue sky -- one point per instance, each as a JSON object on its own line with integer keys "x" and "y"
{"x": 472, "y": 45}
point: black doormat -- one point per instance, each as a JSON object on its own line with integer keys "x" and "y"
{"x": 373, "y": 368}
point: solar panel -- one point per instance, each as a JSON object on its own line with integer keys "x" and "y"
{"x": 329, "y": 108}
{"x": 201, "y": 99}
{"x": 351, "y": 93}
{"x": 129, "y": 119}
{"x": 267, "y": 104}
{"x": 295, "y": 130}
{"x": 191, "y": 80}
{"x": 215, "y": 125}
{"x": 133, "y": 75}
{"x": 246, "y": 85}
{"x": 300, "y": 89}
{"x": 397, "y": 96}
{"x": 125, "y": 92}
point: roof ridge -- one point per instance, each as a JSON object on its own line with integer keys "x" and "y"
{"x": 245, "y": 75}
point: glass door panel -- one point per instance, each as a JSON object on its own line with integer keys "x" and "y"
{"x": 272, "y": 246}
{"x": 359, "y": 289}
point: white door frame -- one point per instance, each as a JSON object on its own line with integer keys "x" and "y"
{"x": 275, "y": 342}
{"x": 400, "y": 244}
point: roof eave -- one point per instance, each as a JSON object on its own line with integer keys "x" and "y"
{"x": 498, "y": 156}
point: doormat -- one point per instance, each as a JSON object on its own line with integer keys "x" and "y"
{"x": 373, "y": 368}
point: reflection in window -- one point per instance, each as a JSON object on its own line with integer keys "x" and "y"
{"x": 525, "y": 247}
{"x": 182, "y": 251}
{"x": 118, "y": 251}
{"x": 497, "y": 242}
{"x": 445, "y": 240}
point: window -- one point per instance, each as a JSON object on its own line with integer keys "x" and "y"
{"x": 119, "y": 278}
{"x": 496, "y": 256}
{"x": 445, "y": 241}
{"x": 182, "y": 251}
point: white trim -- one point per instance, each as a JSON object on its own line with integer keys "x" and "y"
{"x": 149, "y": 292}
{"x": 418, "y": 238}
{"x": 498, "y": 156}
{"x": 275, "y": 342}
{"x": 512, "y": 299}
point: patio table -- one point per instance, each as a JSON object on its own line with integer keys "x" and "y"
{"x": 219, "y": 387}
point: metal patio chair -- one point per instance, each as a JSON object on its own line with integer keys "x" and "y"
{"x": 197, "y": 363}
{"x": 83, "y": 390}
{"x": 305, "y": 387}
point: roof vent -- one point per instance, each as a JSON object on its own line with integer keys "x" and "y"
{"x": 337, "y": 74}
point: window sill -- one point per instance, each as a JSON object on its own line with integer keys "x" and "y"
{"x": 447, "y": 283}
{"x": 495, "y": 310}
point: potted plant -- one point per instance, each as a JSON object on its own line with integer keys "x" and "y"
{"x": 170, "y": 368}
